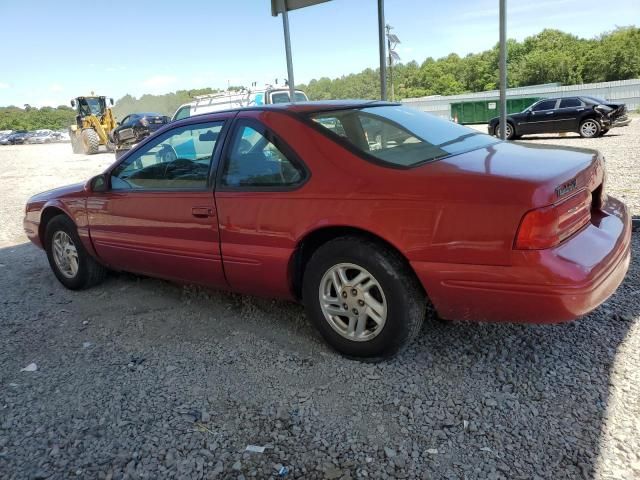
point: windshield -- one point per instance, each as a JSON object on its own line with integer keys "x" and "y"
{"x": 91, "y": 106}
{"x": 399, "y": 135}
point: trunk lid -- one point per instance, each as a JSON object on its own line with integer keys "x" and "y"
{"x": 538, "y": 175}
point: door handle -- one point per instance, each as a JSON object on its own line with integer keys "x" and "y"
{"x": 579, "y": 109}
{"x": 549, "y": 113}
{"x": 202, "y": 212}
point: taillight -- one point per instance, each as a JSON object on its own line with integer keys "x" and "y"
{"x": 548, "y": 226}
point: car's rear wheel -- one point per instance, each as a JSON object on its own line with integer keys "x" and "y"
{"x": 362, "y": 297}
{"x": 589, "y": 128}
{"x": 71, "y": 263}
{"x": 509, "y": 131}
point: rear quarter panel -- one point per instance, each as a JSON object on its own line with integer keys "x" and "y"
{"x": 429, "y": 213}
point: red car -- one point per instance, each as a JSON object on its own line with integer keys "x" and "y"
{"x": 364, "y": 211}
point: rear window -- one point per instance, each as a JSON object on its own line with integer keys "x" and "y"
{"x": 400, "y": 136}
{"x": 283, "y": 97}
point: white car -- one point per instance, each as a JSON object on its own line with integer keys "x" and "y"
{"x": 41, "y": 136}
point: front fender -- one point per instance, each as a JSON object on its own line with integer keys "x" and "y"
{"x": 73, "y": 207}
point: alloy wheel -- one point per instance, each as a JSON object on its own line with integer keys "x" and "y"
{"x": 352, "y": 302}
{"x": 65, "y": 254}
{"x": 589, "y": 128}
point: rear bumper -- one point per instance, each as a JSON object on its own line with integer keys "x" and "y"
{"x": 544, "y": 286}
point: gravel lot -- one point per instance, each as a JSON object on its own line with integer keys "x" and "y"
{"x": 140, "y": 378}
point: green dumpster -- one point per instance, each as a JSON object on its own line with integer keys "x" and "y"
{"x": 482, "y": 111}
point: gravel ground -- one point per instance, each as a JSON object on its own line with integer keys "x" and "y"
{"x": 140, "y": 378}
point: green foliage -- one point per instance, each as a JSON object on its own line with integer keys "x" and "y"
{"x": 14, "y": 118}
{"x": 166, "y": 104}
{"x": 548, "y": 57}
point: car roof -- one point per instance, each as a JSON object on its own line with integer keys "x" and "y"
{"x": 325, "y": 105}
{"x": 305, "y": 107}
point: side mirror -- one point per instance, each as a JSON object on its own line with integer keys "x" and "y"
{"x": 97, "y": 184}
{"x": 73, "y": 103}
{"x": 111, "y": 101}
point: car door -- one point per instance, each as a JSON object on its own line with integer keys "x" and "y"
{"x": 158, "y": 216}
{"x": 568, "y": 114}
{"x": 259, "y": 181}
{"x": 541, "y": 118}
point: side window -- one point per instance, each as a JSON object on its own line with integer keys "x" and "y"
{"x": 254, "y": 160}
{"x": 570, "y": 103}
{"x": 183, "y": 112}
{"x": 179, "y": 159}
{"x": 125, "y": 120}
{"x": 545, "y": 105}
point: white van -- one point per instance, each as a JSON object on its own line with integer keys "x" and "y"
{"x": 229, "y": 99}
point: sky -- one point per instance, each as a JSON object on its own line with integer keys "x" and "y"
{"x": 53, "y": 51}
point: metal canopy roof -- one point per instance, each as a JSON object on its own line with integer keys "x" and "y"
{"x": 278, "y": 6}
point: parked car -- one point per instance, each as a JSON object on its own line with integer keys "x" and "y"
{"x": 63, "y": 136}
{"x": 364, "y": 211}
{"x": 588, "y": 116}
{"x": 137, "y": 126}
{"x": 41, "y": 136}
{"x": 4, "y": 137}
{"x": 16, "y": 138}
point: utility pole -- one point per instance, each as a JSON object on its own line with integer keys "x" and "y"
{"x": 389, "y": 27}
{"x": 392, "y": 43}
{"x": 503, "y": 69}
{"x": 383, "y": 60}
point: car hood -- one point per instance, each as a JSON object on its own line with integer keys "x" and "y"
{"x": 60, "y": 192}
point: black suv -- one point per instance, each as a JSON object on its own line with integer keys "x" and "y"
{"x": 588, "y": 116}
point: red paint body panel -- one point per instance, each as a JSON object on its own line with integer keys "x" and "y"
{"x": 545, "y": 286}
{"x": 454, "y": 220}
{"x": 156, "y": 234}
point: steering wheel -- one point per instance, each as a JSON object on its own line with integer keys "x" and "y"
{"x": 167, "y": 154}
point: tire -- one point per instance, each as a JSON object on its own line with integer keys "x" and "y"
{"x": 90, "y": 141}
{"x": 75, "y": 142}
{"x": 120, "y": 152}
{"x": 88, "y": 271}
{"x": 510, "y": 131}
{"x": 589, "y": 128}
{"x": 392, "y": 288}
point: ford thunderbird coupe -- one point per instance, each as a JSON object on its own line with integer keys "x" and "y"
{"x": 369, "y": 213}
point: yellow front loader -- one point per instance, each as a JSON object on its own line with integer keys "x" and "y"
{"x": 94, "y": 124}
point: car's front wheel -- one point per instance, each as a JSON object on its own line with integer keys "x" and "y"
{"x": 363, "y": 298}
{"x": 71, "y": 263}
{"x": 589, "y": 128}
